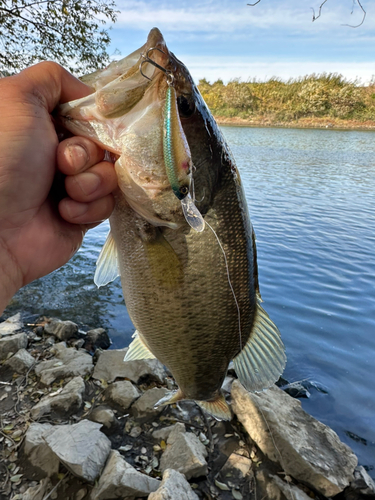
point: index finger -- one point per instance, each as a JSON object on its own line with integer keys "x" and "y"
{"x": 77, "y": 154}
{"x": 50, "y": 84}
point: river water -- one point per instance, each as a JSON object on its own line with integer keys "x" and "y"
{"x": 311, "y": 198}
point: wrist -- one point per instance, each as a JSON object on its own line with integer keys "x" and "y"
{"x": 10, "y": 280}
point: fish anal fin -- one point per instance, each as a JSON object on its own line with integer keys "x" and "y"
{"x": 170, "y": 398}
{"x": 217, "y": 407}
{"x": 138, "y": 350}
{"x": 107, "y": 268}
{"x": 263, "y": 359}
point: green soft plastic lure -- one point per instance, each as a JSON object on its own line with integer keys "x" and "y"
{"x": 177, "y": 159}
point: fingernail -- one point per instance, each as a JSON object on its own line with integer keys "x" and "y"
{"x": 88, "y": 182}
{"x": 75, "y": 209}
{"x": 77, "y": 156}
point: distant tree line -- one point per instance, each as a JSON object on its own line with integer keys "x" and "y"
{"x": 324, "y": 95}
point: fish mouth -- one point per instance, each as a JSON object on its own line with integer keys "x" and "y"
{"x": 124, "y": 115}
{"x": 121, "y": 86}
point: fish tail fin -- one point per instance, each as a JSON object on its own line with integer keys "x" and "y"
{"x": 263, "y": 359}
{"x": 170, "y": 398}
{"x": 217, "y": 407}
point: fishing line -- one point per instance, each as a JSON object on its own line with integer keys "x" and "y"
{"x": 230, "y": 283}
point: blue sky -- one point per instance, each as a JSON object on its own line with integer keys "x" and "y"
{"x": 227, "y": 39}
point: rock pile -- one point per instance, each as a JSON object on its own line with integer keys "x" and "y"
{"x": 82, "y": 426}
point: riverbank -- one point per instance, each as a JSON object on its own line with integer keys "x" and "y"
{"x": 315, "y": 123}
{"x": 78, "y": 422}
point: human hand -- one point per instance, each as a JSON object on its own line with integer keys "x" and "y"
{"x": 39, "y": 233}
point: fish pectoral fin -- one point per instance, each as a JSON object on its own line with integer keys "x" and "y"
{"x": 217, "y": 407}
{"x": 138, "y": 350}
{"x": 164, "y": 263}
{"x": 170, "y": 398}
{"x": 263, "y": 359}
{"x": 107, "y": 268}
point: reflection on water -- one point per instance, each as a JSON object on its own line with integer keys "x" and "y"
{"x": 311, "y": 198}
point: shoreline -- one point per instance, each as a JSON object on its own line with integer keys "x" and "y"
{"x": 308, "y": 123}
{"x": 61, "y": 385}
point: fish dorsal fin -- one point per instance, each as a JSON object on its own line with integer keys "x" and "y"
{"x": 138, "y": 350}
{"x": 262, "y": 360}
{"x": 107, "y": 268}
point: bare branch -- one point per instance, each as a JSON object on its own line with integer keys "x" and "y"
{"x": 314, "y": 18}
{"x": 252, "y": 4}
{"x": 363, "y": 18}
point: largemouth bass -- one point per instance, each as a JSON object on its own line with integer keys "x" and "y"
{"x": 181, "y": 237}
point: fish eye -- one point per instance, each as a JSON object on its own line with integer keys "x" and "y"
{"x": 186, "y": 106}
{"x": 184, "y": 190}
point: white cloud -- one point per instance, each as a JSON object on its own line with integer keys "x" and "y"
{"x": 232, "y": 16}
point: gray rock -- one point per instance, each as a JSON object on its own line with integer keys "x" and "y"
{"x": 296, "y": 390}
{"x": 184, "y": 453}
{"x": 121, "y": 480}
{"x": 274, "y": 488}
{"x": 80, "y": 495}
{"x": 122, "y": 394}
{"x": 81, "y": 447}
{"x": 111, "y": 365}
{"x": 97, "y": 338}
{"x": 37, "y": 452}
{"x": 38, "y": 492}
{"x": 104, "y": 416}
{"x": 363, "y": 482}
{"x": 173, "y": 487}
{"x": 63, "y": 330}
{"x": 143, "y": 409}
{"x": 77, "y": 343}
{"x": 11, "y": 344}
{"x": 21, "y": 362}
{"x": 11, "y": 325}
{"x": 305, "y": 448}
{"x": 227, "y": 384}
{"x": 68, "y": 401}
{"x": 163, "y": 434}
{"x": 135, "y": 431}
{"x": 67, "y": 363}
{"x": 237, "y": 466}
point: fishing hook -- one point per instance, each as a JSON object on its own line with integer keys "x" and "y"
{"x": 147, "y": 59}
